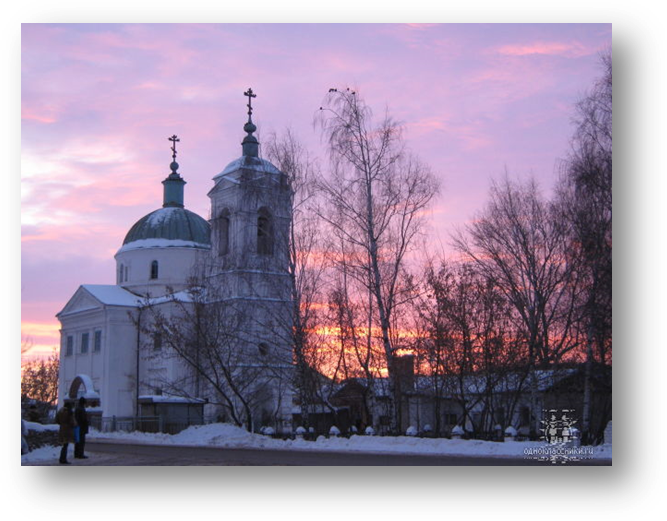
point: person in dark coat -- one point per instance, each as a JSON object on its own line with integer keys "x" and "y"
{"x": 65, "y": 418}
{"x": 81, "y": 418}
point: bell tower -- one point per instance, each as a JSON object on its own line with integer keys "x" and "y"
{"x": 251, "y": 213}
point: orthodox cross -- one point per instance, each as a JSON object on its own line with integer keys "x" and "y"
{"x": 250, "y": 95}
{"x": 174, "y": 139}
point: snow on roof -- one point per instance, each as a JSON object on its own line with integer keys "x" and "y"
{"x": 477, "y": 384}
{"x": 161, "y": 243}
{"x": 250, "y": 163}
{"x": 165, "y": 398}
{"x": 112, "y": 295}
{"x": 119, "y": 296}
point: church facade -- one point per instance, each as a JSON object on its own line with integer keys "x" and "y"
{"x": 198, "y": 323}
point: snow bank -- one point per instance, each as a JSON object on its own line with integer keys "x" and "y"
{"x": 38, "y": 427}
{"x": 42, "y": 454}
{"x": 225, "y": 435}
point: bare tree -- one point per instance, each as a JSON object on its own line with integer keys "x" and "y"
{"x": 199, "y": 345}
{"x": 377, "y": 194}
{"x": 469, "y": 345}
{"x": 521, "y": 242}
{"x": 39, "y": 380}
{"x": 307, "y": 265}
{"x": 26, "y": 345}
{"x": 586, "y": 195}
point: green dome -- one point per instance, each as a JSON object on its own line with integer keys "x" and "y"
{"x": 170, "y": 226}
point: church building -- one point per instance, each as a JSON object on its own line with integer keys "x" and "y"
{"x": 198, "y": 324}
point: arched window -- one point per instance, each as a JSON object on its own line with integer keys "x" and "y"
{"x": 264, "y": 233}
{"x": 263, "y": 349}
{"x": 154, "y": 269}
{"x": 127, "y": 273}
{"x": 120, "y": 274}
{"x": 223, "y": 232}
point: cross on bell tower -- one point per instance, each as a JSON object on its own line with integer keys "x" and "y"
{"x": 250, "y": 95}
{"x": 250, "y": 144}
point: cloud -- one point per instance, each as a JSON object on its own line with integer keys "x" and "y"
{"x": 469, "y": 135}
{"x": 568, "y": 49}
{"x": 422, "y": 26}
{"x": 30, "y": 115}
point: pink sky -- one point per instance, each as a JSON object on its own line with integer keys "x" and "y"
{"x": 99, "y": 101}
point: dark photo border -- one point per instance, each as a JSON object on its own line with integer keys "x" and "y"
{"x": 568, "y": 489}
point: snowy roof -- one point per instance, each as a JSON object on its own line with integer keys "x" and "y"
{"x": 170, "y": 224}
{"x": 162, "y": 243}
{"x": 474, "y": 384}
{"x": 249, "y": 163}
{"x": 112, "y": 295}
{"x": 165, "y": 398}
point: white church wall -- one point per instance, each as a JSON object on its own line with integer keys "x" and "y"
{"x": 119, "y": 378}
{"x": 175, "y": 265}
{"x": 78, "y": 362}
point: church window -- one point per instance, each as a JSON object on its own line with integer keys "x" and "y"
{"x": 127, "y": 272}
{"x": 97, "y": 343}
{"x": 84, "y": 343}
{"x": 120, "y": 274}
{"x": 157, "y": 341}
{"x": 69, "y": 349}
{"x": 154, "y": 269}
{"x": 263, "y": 349}
{"x": 223, "y": 232}
{"x": 264, "y": 233}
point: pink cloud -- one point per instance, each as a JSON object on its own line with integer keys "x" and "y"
{"x": 30, "y": 115}
{"x": 469, "y": 135}
{"x": 572, "y": 49}
{"x": 421, "y": 26}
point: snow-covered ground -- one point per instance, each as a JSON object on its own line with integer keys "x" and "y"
{"x": 225, "y": 435}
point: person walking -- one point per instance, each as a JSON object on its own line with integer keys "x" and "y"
{"x": 81, "y": 418}
{"x": 65, "y": 418}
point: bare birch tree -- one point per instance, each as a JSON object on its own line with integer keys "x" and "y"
{"x": 377, "y": 194}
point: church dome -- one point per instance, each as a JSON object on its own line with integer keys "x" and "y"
{"x": 170, "y": 226}
{"x": 249, "y": 163}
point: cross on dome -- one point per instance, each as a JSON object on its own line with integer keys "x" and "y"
{"x": 174, "y": 139}
{"x": 250, "y": 95}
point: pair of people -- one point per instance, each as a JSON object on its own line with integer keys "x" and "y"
{"x": 73, "y": 429}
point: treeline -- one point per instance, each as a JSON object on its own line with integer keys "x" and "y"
{"x": 529, "y": 289}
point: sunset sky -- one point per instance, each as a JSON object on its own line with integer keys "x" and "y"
{"x": 99, "y": 101}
